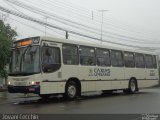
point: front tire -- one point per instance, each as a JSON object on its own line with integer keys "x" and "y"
{"x": 71, "y": 90}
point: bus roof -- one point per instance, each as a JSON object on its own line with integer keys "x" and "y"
{"x": 98, "y": 44}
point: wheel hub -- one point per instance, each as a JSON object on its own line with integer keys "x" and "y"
{"x": 133, "y": 86}
{"x": 71, "y": 91}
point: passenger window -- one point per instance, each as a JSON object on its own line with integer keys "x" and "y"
{"x": 139, "y": 60}
{"x": 129, "y": 59}
{"x": 70, "y": 54}
{"x": 87, "y": 56}
{"x": 116, "y": 58}
{"x": 154, "y": 61}
{"x": 103, "y": 57}
{"x": 50, "y": 59}
{"x": 148, "y": 61}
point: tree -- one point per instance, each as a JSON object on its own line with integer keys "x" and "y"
{"x": 159, "y": 69}
{"x": 7, "y": 35}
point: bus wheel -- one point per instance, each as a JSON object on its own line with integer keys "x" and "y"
{"x": 132, "y": 86}
{"x": 71, "y": 90}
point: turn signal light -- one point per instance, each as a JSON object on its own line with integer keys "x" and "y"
{"x": 37, "y": 83}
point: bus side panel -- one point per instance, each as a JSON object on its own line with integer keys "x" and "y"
{"x": 137, "y": 73}
{"x": 147, "y": 83}
{"x": 103, "y": 85}
{"x": 88, "y": 74}
{"x": 151, "y": 74}
{"x": 151, "y": 79}
{"x": 131, "y": 72}
{"x": 82, "y": 73}
{"x": 140, "y": 74}
{"x": 117, "y": 77}
{"x": 104, "y": 79}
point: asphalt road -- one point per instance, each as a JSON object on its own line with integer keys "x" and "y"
{"x": 146, "y": 101}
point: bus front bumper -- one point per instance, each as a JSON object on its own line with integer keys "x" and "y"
{"x": 24, "y": 89}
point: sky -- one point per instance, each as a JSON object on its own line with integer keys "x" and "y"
{"x": 138, "y": 19}
{"x": 141, "y": 13}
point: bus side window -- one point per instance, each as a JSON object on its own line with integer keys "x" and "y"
{"x": 117, "y": 58}
{"x": 148, "y": 61}
{"x": 70, "y": 54}
{"x": 87, "y": 56}
{"x": 139, "y": 60}
{"x": 103, "y": 57}
{"x": 129, "y": 59}
{"x": 154, "y": 61}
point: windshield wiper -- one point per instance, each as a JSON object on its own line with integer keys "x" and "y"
{"x": 26, "y": 50}
{"x": 23, "y": 56}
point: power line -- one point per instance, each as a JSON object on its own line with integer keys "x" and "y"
{"x": 53, "y": 26}
{"x": 88, "y": 11}
{"x": 65, "y": 22}
{"x": 30, "y": 26}
{"x": 114, "y": 42}
{"x": 70, "y": 23}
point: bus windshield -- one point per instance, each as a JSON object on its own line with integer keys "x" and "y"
{"x": 25, "y": 61}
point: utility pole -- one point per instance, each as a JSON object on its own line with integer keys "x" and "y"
{"x": 102, "y": 11}
{"x": 92, "y": 15}
{"x": 45, "y": 25}
{"x": 67, "y": 35}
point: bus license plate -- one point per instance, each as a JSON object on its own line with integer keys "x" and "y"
{"x": 31, "y": 89}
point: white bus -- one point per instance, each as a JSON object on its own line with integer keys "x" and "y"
{"x": 46, "y": 66}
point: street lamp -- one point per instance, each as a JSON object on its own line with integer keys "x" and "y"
{"x": 102, "y": 11}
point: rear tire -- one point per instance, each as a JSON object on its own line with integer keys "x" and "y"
{"x": 132, "y": 87}
{"x": 71, "y": 90}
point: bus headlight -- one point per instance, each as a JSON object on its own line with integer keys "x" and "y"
{"x": 34, "y": 83}
{"x": 9, "y": 82}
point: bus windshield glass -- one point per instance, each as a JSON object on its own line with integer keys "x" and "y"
{"x": 25, "y": 61}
